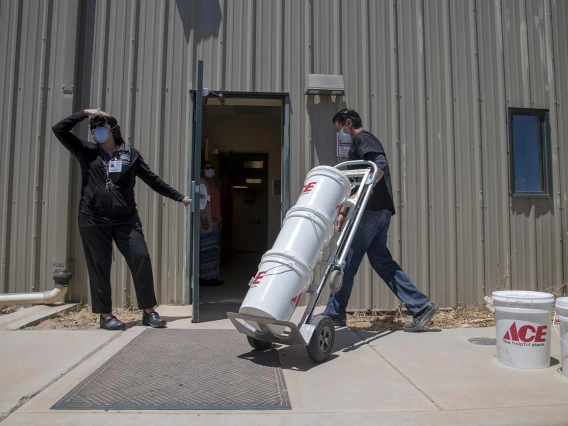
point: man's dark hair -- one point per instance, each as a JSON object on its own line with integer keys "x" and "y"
{"x": 344, "y": 114}
{"x": 99, "y": 120}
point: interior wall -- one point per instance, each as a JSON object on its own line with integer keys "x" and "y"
{"x": 249, "y": 213}
{"x": 242, "y": 129}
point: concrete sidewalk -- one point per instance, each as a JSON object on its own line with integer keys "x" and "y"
{"x": 429, "y": 378}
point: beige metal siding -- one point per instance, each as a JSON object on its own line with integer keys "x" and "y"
{"x": 432, "y": 79}
{"x": 413, "y": 170}
{"x": 38, "y": 60}
{"x": 535, "y": 225}
{"x": 383, "y": 118}
{"x": 466, "y": 137}
{"x": 559, "y": 30}
{"x": 494, "y": 147}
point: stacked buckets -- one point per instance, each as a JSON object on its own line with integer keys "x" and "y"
{"x": 285, "y": 271}
{"x": 524, "y": 329}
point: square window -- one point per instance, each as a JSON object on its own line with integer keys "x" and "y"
{"x": 529, "y": 153}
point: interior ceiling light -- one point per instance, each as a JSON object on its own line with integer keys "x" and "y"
{"x": 254, "y": 180}
{"x": 240, "y": 187}
{"x": 253, "y": 164}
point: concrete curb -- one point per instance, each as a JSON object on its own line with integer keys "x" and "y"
{"x": 34, "y": 315}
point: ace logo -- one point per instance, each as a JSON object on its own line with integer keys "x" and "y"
{"x": 527, "y": 335}
{"x": 295, "y": 300}
{"x": 308, "y": 188}
{"x": 258, "y": 277}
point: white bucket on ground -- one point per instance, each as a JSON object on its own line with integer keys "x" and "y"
{"x": 285, "y": 271}
{"x": 522, "y": 320}
{"x": 562, "y": 315}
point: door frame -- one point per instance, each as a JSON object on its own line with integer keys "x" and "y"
{"x": 196, "y": 103}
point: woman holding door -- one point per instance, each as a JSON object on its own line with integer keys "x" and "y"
{"x": 107, "y": 211}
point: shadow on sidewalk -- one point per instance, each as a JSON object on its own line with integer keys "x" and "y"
{"x": 296, "y": 357}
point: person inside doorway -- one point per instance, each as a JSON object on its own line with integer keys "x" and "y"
{"x": 371, "y": 235}
{"x": 107, "y": 211}
{"x": 211, "y": 224}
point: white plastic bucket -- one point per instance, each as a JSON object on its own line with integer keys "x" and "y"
{"x": 277, "y": 288}
{"x": 324, "y": 189}
{"x": 522, "y": 321}
{"x": 562, "y": 315}
{"x": 303, "y": 235}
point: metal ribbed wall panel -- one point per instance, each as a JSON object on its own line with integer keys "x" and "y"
{"x": 39, "y": 47}
{"x": 432, "y": 79}
{"x": 548, "y": 225}
{"x": 494, "y": 147}
{"x": 469, "y": 267}
{"x": 383, "y": 118}
{"x": 559, "y": 30}
{"x": 440, "y": 152}
{"x": 413, "y": 167}
{"x": 517, "y": 89}
{"x": 535, "y": 225}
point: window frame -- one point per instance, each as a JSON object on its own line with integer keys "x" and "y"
{"x": 544, "y": 115}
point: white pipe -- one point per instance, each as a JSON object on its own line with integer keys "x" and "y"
{"x": 37, "y": 298}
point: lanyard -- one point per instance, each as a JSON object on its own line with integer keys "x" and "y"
{"x": 109, "y": 184}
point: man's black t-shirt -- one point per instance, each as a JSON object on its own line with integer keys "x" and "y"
{"x": 366, "y": 146}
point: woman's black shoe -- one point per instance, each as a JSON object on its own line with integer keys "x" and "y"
{"x": 111, "y": 323}
{"x": 153, "y": 320}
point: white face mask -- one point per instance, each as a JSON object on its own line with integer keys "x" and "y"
{"x": 343, "y": 137}
{"x": 209, "y": 173}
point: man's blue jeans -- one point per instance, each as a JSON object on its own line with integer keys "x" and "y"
{"x": 371, "y": 238}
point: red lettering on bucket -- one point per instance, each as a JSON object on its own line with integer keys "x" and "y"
{"x": 308, "y": 188}
{"x": 295, "y": 300}
{"x": 527, "y": 334}
{"x": 541, "y": 334}
{"x": 259, "y": 277}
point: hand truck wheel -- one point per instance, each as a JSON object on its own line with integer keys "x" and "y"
{"x": 321, "y": 344}
{"x": 259, "y": 345}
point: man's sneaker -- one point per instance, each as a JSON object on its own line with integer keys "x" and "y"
{"x": 111, "y": 323}
{"x": 337, "y": 322}
{"x": 421, "y": 320}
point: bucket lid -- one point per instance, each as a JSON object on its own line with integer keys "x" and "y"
{"x": 519, "y": 296}
{"x": 562, "y": 302}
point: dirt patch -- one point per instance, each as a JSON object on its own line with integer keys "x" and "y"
{"x": 471, "y": 316}
{"x": 474, "y": 316}
{"x": 5, "y": 310}
{"x": 83, "y": 319}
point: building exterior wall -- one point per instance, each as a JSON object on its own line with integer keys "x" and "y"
{"x": 432, "y": 79}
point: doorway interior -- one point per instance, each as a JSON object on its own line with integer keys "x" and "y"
{"x": 242, "y": 137}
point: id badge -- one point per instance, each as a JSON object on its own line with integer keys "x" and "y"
{"x": 115, "y": 166}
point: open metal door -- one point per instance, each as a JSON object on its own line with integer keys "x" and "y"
{"x": 197, "y": 193}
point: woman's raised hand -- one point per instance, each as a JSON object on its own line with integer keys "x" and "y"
{"x": 96, "y": 111}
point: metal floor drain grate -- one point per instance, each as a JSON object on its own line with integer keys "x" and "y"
{"x": 184, "y": 370}
{"x": 482, "y": 341}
